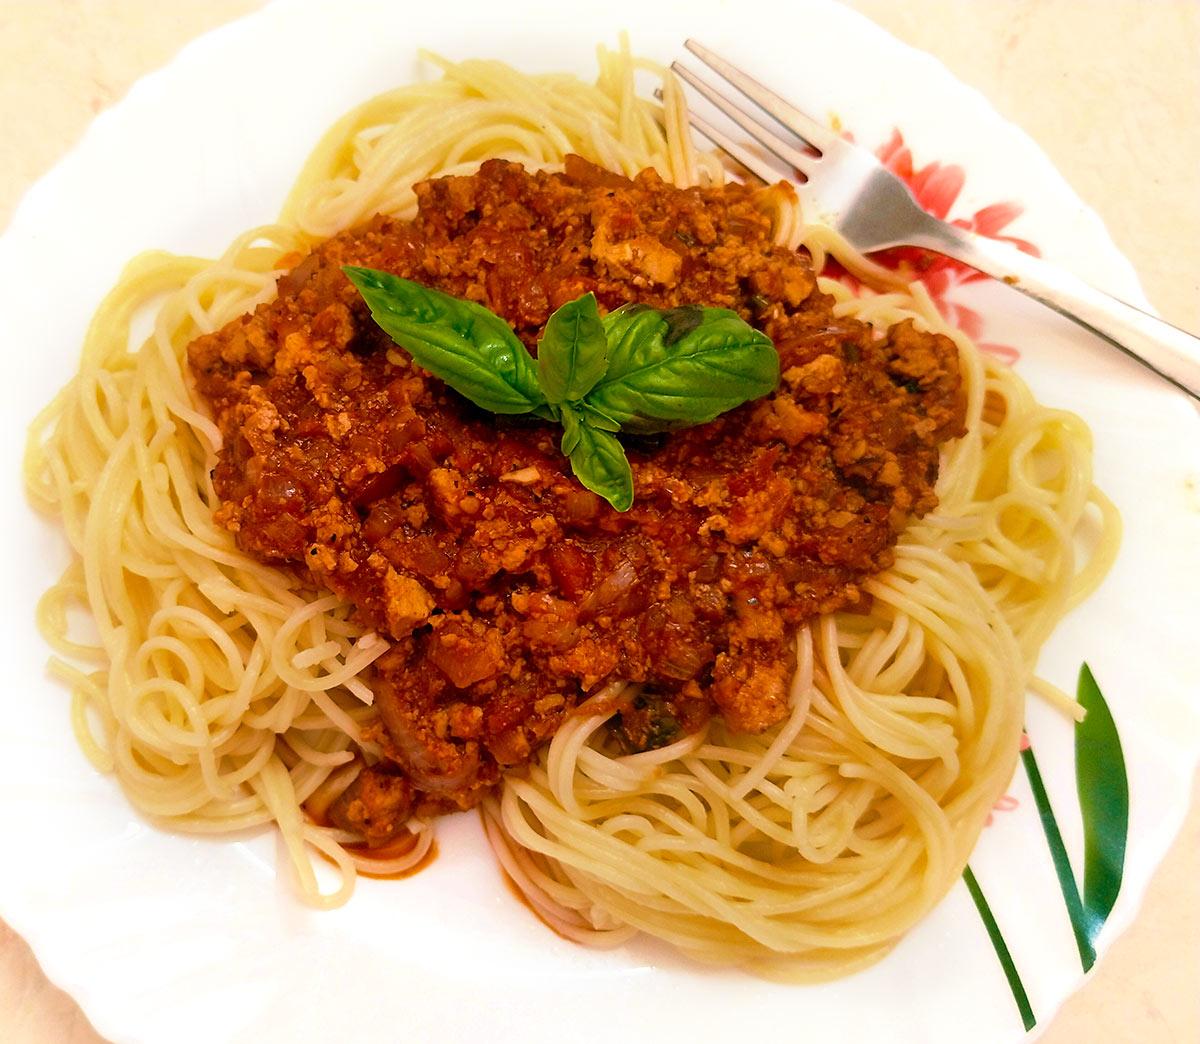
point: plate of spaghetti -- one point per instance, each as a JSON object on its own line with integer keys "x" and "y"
{"x": 495, "y": 558}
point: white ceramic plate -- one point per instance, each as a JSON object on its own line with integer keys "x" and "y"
{"x": 162, "y": 937}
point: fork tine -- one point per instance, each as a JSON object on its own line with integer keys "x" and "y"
{"x": 755, "y": 164}
{"x": 792, "y": 118}
{"x": 763, "y": 135}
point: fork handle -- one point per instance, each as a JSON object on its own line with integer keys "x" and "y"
{"x": 1172, "y": 353}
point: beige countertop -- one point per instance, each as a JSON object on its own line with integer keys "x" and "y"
{"x": 1111, "y": 91}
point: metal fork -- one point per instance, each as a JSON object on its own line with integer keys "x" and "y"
{"x": 873, "y": 209}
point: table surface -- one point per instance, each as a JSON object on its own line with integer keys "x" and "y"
{"x": 1111, "y": 91}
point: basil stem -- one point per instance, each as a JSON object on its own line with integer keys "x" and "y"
{"x": 573, "y": 352}
{"x": 470, "y": 348}
{"x": 679, "y": 367}
{"x": 597, "y": 419}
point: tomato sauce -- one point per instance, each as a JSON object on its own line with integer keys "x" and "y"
{"x": 510, "y": 592}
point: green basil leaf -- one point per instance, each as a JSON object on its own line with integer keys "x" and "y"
{"x": 630, "y": 317}
{"x": 598, "y": 460}
{"x": 683, "y": 366}
{"x": 470, "y": 348}
{"x": 573, "y": 351}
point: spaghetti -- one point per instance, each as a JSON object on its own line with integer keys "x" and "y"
{"x": 223, "y": 696}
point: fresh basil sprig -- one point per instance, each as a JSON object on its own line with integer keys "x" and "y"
{"x": 639, "y": 369}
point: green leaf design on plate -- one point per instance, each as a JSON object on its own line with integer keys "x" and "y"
{"x": 1062, "y": 862}
{"x": 1001, "y": 948}
{"x": 1103, "y": 788}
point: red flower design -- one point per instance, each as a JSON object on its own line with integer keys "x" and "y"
{"x": 1006, "y": 803}
{"x": 936, "y": 187}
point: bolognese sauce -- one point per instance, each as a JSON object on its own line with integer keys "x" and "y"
{"x": 508, "y": 591}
